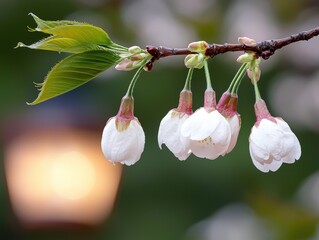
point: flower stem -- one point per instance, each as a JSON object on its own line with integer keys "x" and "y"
{"x": 231, "y": 85}
{"x": 208, "y": 81}
{"x": 189, "y": 79}
{"x": 237, "y": 79}
{"x": 257, "y": 93}
{"x": 130, "y": 89}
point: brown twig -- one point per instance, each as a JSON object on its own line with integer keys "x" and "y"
{"x": 264, "y": 49}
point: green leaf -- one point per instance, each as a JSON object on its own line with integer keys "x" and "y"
{"x": 73, "y": 72}
{"x": 72, "y": 37}
{"x": 61, "y": 44}
{"x": 82, "y": 32}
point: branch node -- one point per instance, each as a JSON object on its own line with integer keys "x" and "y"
{"x": 149, "y": 65}
{"x": 153, "y": 51}
{"x": 267, "y": 48}
{"x": 211, "y": 51}
{"x": 304, "y": 36}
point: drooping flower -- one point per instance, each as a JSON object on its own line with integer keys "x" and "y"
{"x": 207, "y": 129}
{"x": 123, "y": 138}
{"x": 227, "y": 106}
{"x": 169, "y": 131}
{"x": 271, "y": 142}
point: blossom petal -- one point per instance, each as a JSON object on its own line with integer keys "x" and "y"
{"x": 135, "y": 144}
{"x": 258, "y": 153}
{"x": 293, "y": 145}
{"x": 125, "y": 146}
{"x": 200, "y": 125}
{"x": 205, "y": 149}
{"x": 209, "y": 133}
{"x": 222, "y": 133}
{"x": 234, "y": 123}
{"x": 258, "y": 164}
{"x": 164, "y": 128}
{"x": 274, "y": 165}
{"x": 169, "y": 133}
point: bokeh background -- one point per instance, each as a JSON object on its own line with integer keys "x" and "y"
{"x": 159, "y": 197}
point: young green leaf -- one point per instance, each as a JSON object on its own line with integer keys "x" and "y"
{"x": 82, "y": 32}
{"x": 62, "y": 44}
{"x": 73, "y": 72}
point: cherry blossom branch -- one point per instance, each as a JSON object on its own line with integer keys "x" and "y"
{"x": 264, "y": 49}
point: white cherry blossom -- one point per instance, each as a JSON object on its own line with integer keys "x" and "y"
{"x": 123, "y": 137}
{"x": 227, "y": 106}
{"x": 169, "y": 132}
{"x": 271, "y": 142}
{"x": 123, "y": 146}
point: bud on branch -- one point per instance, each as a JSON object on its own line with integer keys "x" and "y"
{"x": 264, "y": 49}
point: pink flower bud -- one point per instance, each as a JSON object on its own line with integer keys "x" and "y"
{"x": 125, "y": 65}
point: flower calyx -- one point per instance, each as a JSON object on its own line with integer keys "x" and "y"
{"x": 227, "y": 104}
{"x": 125, "y": 114}
{"x": 185, "y": 104}
{"x": 210, "y": 100}
{"x": 262, "y": 112}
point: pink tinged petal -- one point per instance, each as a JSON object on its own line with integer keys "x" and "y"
{"x": 170, "y": 134}
{"x": 125, "y": 65}
{"x": 200, "y": 125}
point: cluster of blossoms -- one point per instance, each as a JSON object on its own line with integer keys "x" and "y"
{"x": 212, "y": 130}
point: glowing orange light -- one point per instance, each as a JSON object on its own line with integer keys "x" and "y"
{"x": 60, "y": 176}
